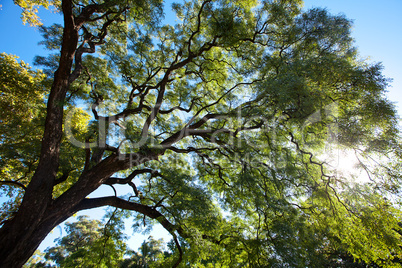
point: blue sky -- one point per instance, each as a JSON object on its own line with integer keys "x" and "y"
{"x": 377, "y": 32}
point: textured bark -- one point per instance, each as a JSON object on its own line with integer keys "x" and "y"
{"x": 20, "y": 236}
{"x": 23, "y": 241}
{"x": 23, "y": 234}
{"x": 39, "y": 213}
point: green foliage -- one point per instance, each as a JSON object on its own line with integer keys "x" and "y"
{"x": 88, "y": 243}
{"x": 151, "y": 254}
{"x": 31, "y": 8}
{"x": 221, "y": 125}
{"x": 22, "y": 106}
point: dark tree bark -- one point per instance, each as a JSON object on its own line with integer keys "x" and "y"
{"x": 38, "y": 214}
{"x": 282, "y": 117}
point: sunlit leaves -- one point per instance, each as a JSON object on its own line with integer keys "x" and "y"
{"x": 228, "y": 113}
{"x": 24, "y": 120}
{"x": 31, "y": 8}
{"x": 89, "y": 243}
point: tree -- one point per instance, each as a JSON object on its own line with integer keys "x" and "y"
{"x": 150, "y": 254}
{"x": 219, "y": 125}
{"x": 88, "y": 243}
{"x": 21, "y": 119}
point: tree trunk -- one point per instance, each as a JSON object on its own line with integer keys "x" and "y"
{"x": 20, "y": 236}
{"x": 39, "y": 213}
{"x": 19, "y": 251}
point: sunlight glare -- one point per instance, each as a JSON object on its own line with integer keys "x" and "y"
{"x": 346, "y": 165}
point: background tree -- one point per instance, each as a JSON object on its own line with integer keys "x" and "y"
{"x": 219, "y": 126}
{"x": 22, "y": 119}
{"x": 88, "y": 243}
{"x": 151, "y": 254}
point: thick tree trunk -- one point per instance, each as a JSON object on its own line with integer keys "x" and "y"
{"x": 38, "y": 213}
{"x": 20, "y": 236}
{"x": 20, "y": 239}
{"x": 19, "y": 251}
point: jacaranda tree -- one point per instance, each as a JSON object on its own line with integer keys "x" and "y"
{"x": 221, "y": 126}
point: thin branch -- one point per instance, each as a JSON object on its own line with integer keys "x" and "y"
{"x": 189, "y": 149}
{"x": 63, "y": 177}
{"x": 16, "y": 183}
{"x": 198, "y": 25}
{"x": 111, "y": 181}
{"x": 184, "y": 132}
{"x": 221, "y": 97}
{"x": 89, "y": 203}
{"x": 321, "y": 165}
{"x": 180, "y": 108}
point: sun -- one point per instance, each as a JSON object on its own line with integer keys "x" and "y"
{"x": 346, "y": 165}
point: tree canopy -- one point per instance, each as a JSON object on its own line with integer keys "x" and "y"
{"x": 224, "y": 127}
{"x": 88, "y": 243}
{"x": 95, "y": 243}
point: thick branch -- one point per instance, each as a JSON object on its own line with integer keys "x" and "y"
{"x": 16, "y": 183}
{"x": 63, "y": 178}
{"x": 128, "y": 180}
{"x": 190, "y": 130}
{"x": 193, "y": 131}
{"x": 143, "y": 209}
{"x": 88, "y": 39}
{"x": 124, "y": 204}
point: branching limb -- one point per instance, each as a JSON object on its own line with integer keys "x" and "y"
{"x": 14, "y": 183}
{"x": 211, "y": 134}
{"x": 89, "y": 203}
{"x": 63, "y": 178}
{"x": 89, "y": 38}
{"x": 128, "y": 180}
{"x": 184, "y": 132}
{"x": 321, "y": 165}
